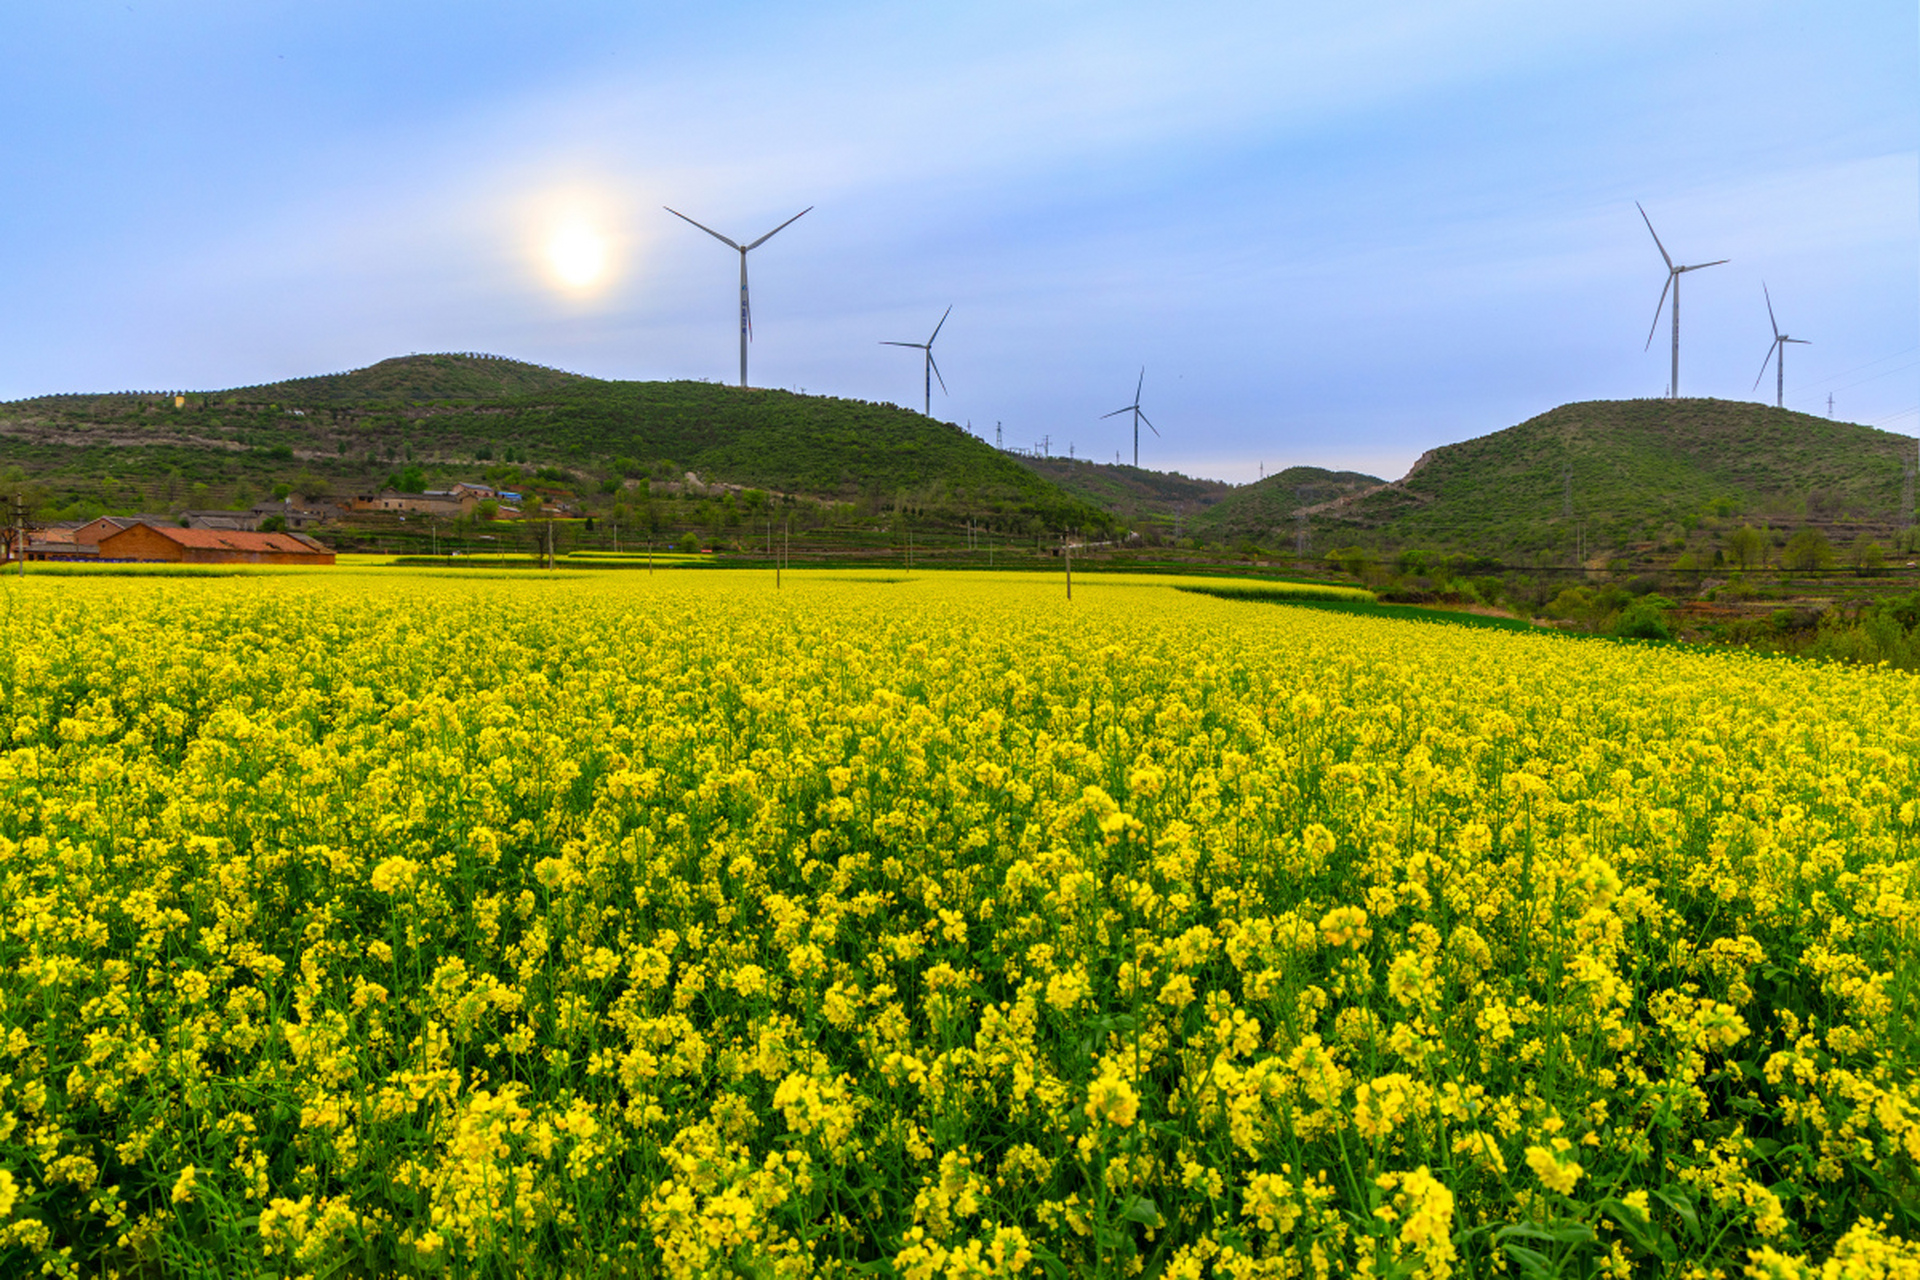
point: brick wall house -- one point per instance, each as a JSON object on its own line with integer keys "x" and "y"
{"x": 212, "y": 546}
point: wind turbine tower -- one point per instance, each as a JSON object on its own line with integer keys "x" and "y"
{"x": 1138, "y": 417}
{"x": 1778, "y": 354}
{"x": 746, "y": 311}
{"x": 1673, "y": 282}
{"x": 932, "y": 370}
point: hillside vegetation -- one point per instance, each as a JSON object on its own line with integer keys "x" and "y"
{"x": 1269, "y": 508}
{"x": 1602, "y": 476}
{"x": 1133, "y": 493}
{"x": 454, "y": 417}
{"x": 416, "y": 379}
{"x": 1599, "y": 482}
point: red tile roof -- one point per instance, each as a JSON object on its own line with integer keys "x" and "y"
{"x": 238, "y": 540}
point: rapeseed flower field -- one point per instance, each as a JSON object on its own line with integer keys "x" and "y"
{"x": 385, "y": 924}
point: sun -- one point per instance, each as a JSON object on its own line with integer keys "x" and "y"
{"x": 577, "y": 255}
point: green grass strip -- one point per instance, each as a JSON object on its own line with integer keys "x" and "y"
{"x": 1366, "y": 609}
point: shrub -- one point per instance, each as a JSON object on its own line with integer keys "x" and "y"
{"x": 1648, "y": 618}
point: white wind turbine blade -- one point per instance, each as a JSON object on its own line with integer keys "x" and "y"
{"x": 1774, "y": 347}
{"x": 1149, "y": 421}
{"x": 1658, "y": 307}
{"x": 1770, "y": 319}
{"x": 709, "y": 230}
{"x": 1655, "y": 234}
{"x": 935, "y": 366}
{"x": 777, "y": 230}
{"x": 937, "y": 328}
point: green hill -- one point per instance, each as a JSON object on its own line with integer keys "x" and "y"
{"x": 1131, "y": 493}
{"x": 1601, "y": 477}
{"x": 1615, "y": 473}
{"x": 458, "y": 417}
{"x": 1268, "y": 509}
{"x": 414, "y": 380}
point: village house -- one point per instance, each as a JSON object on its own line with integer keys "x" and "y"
{"x": 225, "y": 520}
{"x": 100, "y": 527}
{"x": 212, "y": 546}
{"x": 434, "y": 502}
{"x": 296, "y": 514}
{"x": 56, "y": 542}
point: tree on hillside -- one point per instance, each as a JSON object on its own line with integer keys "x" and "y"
{"x": 1867, "y": 557}
{"x": 1807, "y": 549}
{"x": 1745, "y": 545}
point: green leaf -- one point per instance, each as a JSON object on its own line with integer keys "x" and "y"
{"x": 1639, "y": 1228}
{"x": 1142, "y": 1210}
{"x": 1681, "y": 1206}
{"x": 1532, "y": 1263}
{"x": 1573, "y": 1233}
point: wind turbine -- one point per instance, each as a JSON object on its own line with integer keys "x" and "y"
{"x": 1138, "y": 417}
{"x": 1779, "y": 349}
{"x": 932, "y": 370}
{"x": 746, "y": 311}
{"x": 1673, "y": 282}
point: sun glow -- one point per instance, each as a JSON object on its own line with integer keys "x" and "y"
{"x": 577, "y": 255}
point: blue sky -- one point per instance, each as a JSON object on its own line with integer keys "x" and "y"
{"x": 1332, "y": 234}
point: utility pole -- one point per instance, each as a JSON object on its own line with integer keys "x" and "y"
{"x": 998, "y": 442}
{"x": 1829, "y": 404}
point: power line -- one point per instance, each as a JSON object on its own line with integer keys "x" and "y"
{"x": 1875, "y": 377}
{"x": 1834, "y": 377}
